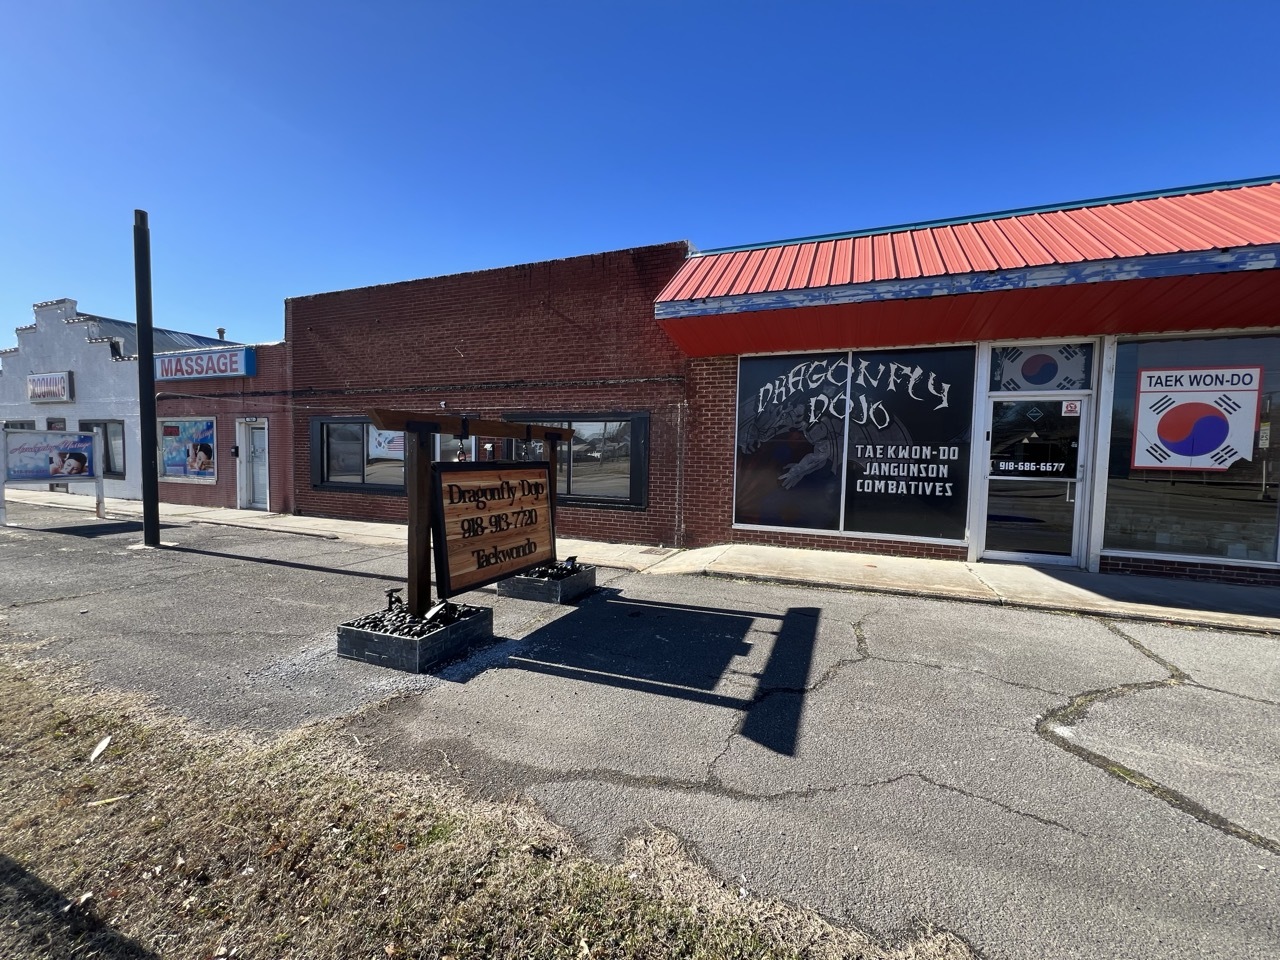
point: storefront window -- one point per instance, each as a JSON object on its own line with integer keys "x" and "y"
{"x": 606, "y": 463}
{"x": 353, "y": 452}
{"x": 910, "y": 418}
{"x": 453, "y": 450}
{"x": 113, "y": 445}
{"x": 490, "y": 448}
{"x": 187, "y": 450}
{"x": 1066, "y": 366}
{"x": 905, "y": 469}
{"x": 1192, "y": 468}
{"x": 791, "y": 413}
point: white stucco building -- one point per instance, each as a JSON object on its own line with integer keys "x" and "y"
{"x": 76, "y": 371}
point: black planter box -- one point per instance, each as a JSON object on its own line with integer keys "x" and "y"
{"x": 417, "y": 654}
{"x": 547, "y": 590}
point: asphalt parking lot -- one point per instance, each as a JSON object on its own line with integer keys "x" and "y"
{"x": 1044, "y": 785}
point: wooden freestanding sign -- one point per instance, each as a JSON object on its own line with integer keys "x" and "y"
{"x": 493, "y": 521}
{"x": 508, "y": 542}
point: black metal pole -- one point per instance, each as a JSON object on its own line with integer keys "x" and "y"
{"x": 146, "y": 381}
{"x": 418, "y": 444}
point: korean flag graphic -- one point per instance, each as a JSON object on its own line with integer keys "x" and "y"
{"x": 1062, "y": 367}
{"x": 1195, "y": 419}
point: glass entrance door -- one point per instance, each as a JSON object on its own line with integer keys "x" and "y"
{"x": 1034, "y": 478}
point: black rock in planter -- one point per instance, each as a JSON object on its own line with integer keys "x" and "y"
{"x": 396, "y": 639}
{"x": 551, "y": 583}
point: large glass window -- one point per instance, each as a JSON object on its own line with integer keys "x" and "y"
{"x": 606, "y": 463}
{"x": 351, "y": 451}
{"x": 451, "y": 449}
{"x": 1192, "y": 468}
{"x": 905, "y": 470}
{"x": 113, "y": 444}
{"x": 791, "y": 426}
{"x": 910, "y": 419}
{"x": 188, "y": 449}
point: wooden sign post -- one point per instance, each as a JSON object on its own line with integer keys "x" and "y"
{"x": 417, "y": 482}
{"x": 493, "y": 553}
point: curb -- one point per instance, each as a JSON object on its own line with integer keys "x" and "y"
{"x": 998, "y": 601}
{"x": 254, "y": 526}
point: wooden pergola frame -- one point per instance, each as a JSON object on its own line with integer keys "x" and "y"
{"x": 418, "y": 429}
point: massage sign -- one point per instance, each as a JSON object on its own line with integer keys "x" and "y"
{"x": 889, "y": 428}
{"x": 492, "y": 521}
{"x": 1201, "y": 418}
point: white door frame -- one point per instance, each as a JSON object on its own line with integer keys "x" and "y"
{"x": 1101, "y": 452}
{"x": 1083, "y": 534}
{"x": 1081, "y": 528}
{"x": 1094, "y": 438}
{"x": 244, "y": 463}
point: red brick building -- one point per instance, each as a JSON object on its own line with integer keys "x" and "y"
{"x": 566, "y": 341}
{"x": 1090, "y": 385}
{"x": 224, "y": 427}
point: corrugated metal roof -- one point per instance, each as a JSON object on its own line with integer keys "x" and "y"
{"x": 1190, "y": 219}
{"x": 165, "y": 341}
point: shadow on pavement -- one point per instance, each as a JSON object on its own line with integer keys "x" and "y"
{"x": 102, "y": 528}
{"x": 293, "y": 564}
{"x": 683, "y": 651}
{"x": 1253, "y": 600}
{"x": 37, "y": 922}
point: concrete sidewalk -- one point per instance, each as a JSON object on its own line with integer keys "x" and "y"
{"x": 1215, "y": 605}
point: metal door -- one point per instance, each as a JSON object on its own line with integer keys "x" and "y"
{"x": 1034, "y": 479}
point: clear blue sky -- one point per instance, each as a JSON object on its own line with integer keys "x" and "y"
{"x": 286, "y": 148}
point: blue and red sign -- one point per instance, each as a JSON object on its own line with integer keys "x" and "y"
{"x": 1064, "y": 366}
{"x": 199, "y": 364}
{"x": 1039, "y": 369}
{"x": 48, "y": 456}
{"x": 187, "y": 450}
{"x": 1200, "y": 418}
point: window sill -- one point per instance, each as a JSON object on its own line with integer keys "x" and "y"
{"x": 382, "y": 490}
{"x": 563, "y": 500}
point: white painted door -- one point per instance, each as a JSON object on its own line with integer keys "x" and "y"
{"x": 258, "y": 468}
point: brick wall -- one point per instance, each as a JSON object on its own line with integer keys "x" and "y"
{"x": 565, "y": 336}
{"x": 708, "y": 475}
{"x": 1191, "y": 570}
{"x": 227, "y": 399}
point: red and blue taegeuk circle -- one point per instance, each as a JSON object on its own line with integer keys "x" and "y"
{"x": 1193, "y": 429}
{"x": 1039, "y": 369}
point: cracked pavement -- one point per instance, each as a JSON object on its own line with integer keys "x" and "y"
{"x": 1043, "y": 785}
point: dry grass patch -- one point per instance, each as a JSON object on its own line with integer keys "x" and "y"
{"x": 167, "y": 842}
